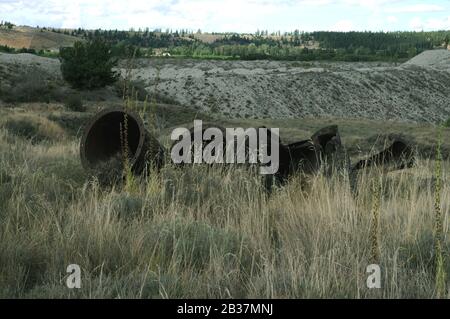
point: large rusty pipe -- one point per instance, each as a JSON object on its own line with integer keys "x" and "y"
{"x": 398, "y": 154}
{"x": 108, "y": 131}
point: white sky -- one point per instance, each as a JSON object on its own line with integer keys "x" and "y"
{"x": 232, "y": 15}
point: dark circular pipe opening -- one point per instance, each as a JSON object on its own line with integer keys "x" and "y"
{"x": 107, "y": 135}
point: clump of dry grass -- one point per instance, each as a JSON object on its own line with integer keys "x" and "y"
{"x": 206, "y": 232}
{"x": 33, "y": 127}
{"x": 109, "y": 172}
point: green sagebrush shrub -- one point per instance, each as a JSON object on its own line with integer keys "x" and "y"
{"x": 88, "y": 65}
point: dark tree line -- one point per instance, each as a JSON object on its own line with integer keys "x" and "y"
{"x": 6, "y": 24}
{"x": 296, "y": 45}
{"x": 144, "y": 39}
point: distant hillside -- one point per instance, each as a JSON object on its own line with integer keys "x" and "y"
{"x": 33, "y": 38}
{"x": 262, "y": 45}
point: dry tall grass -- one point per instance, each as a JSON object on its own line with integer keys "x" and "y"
{"x": 202, "y": 232}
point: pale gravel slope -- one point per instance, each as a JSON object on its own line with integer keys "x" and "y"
{"x": 260, "y": 89}
{"x": 417, "y": 91}
{"x": 437, "y": 59}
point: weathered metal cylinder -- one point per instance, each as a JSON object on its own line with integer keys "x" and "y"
{"x": 117, "y": 132}
{"x": 399, "y": 155}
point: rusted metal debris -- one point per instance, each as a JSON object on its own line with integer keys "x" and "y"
{"x": 398, "y": 154}
{"x": 103, "y": 139}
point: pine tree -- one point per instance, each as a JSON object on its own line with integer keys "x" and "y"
{"x": 88, "y": 65}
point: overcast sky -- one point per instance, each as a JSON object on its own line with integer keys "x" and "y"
{"x": 231, "y": 15}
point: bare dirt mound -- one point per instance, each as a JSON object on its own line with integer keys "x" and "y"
{"x": 438, "y": 59}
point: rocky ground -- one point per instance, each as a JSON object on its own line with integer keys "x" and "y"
{"x": 417, "y": 91}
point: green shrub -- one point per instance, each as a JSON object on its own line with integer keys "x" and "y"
{"x": 447, "y": 123}
{"x": 7, "y": 49}
{"x": 75, "y": 103}
{"x": 57, "y": 92}
{"x": 88, "y": 65}
{"x": 30, "y": 84}
{"x": 164, "y": 99}
{"x": 134, "y": 89}
{"x": 138, "y": 90}
{"x": 32, "y": 89}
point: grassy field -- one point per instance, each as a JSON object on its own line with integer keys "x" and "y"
{"x": 205, "y": 232}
